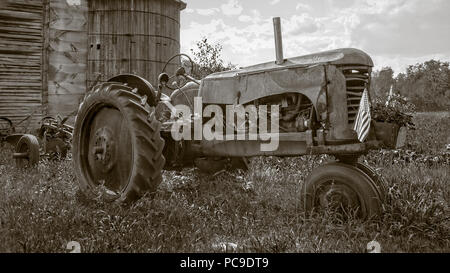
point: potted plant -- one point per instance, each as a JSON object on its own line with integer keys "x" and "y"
{"x": 392, "y": 117}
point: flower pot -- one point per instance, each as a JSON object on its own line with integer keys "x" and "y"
{"x": 391, "y": 134}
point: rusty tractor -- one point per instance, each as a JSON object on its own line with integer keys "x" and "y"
{"x": 124, "y": 130}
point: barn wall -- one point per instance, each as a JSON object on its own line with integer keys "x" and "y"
{"x": 21, "y": 28}
{"x": 43, "y": 57}
{"x": 66, "y": 51}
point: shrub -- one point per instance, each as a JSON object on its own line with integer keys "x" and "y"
{"x": 397, "y": 109}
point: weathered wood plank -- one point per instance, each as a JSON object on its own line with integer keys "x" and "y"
{"x": 20, "y": 59}
{"x": 132, "y": 37}
{"x": 23, "y": 15}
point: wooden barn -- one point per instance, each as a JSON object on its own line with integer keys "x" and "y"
{"x": 52, "y": 51}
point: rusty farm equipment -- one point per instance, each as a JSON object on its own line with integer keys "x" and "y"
{"x": 26, "y": 146}
{"x": 124, "y": 136}
{"x": 56, "y": 136}
{"x": 53, "y": 135}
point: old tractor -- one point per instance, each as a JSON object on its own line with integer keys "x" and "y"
{"x": 124, "y": 132}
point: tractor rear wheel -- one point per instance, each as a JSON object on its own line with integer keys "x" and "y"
{"x": 27, "y": 151}
{"x": 341, "y": 186}
{"x": 117, "y": 144}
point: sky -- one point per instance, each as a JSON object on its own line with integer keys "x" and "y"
{"x": 395, "y": 33}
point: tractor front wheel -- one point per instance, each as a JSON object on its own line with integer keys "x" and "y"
{"x": 117, "y": 144}
{"x": 378, "y": 181}
{"x": 344, "y": 187}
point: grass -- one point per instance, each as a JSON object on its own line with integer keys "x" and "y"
{"x": 41, "y": 209}
{"x": 431, "y": 134}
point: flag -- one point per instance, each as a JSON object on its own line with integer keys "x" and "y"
{"x": 363, "y": 119}
{"x": 391, "y": 92}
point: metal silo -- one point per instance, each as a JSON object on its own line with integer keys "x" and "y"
{"x": 132, "y": 36}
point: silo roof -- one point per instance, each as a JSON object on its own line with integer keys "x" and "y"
{"x": 182, "y": 4}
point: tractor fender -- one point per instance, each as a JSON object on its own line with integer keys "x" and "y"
{"x": 143, "y": 86}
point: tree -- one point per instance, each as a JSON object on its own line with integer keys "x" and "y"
{"x": 381, "y": 82}
{"x": 426, "y": 85}
{"x": 208, "y": 59}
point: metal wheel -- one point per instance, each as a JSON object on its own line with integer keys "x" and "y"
{"x": 27, "y": 151}
{"x": 379, "y": 182}
{"x": 341, "y": 186}
{"x": 117, "y": 144}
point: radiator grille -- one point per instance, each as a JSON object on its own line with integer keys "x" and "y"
{"x": 357, "y": 79}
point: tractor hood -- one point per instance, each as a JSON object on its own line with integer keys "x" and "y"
{"x": 344, "y": 56}
{"x": 308, "y": 75}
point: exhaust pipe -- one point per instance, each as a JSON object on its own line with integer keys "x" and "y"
{"x": 278, "y": 40}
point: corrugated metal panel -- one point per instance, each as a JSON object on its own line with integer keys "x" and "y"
{"x": 21, "y": 24}
{"x": 132, "y": 37}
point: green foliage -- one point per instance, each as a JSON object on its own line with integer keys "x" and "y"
{"x": 208, "y": 59}
{"x": 397, "y": 109}
{"x": 381, "y": 82}
{"x": 431, "y": 134}
{"x": 427, "y": 84}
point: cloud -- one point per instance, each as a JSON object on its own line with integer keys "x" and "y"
{"x": 241, "y": 45}
{"x": 207, "y": 12}
{"x": 299, "y": 24}
{"x": 254, "y": 43}
{"x": 232, "y": 7}
{"x": 406, "y": 28}
{"x": 254, "y": 18}
{"x": 341, "y": 4}
{"x": 302, "y": 7}
{"x": 394, "y": 33}
{"x": 245, "y": 18}
{"x": 274, "y": 2}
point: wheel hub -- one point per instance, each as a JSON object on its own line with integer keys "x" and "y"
{"x": 104, "y": 149}
{"x": 337, "y": 195}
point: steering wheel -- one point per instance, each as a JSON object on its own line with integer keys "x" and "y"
{"x": 178, "y": 80}
{"x": 6, "y": 126}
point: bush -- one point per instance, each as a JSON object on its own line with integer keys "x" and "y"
{"x": 397, "y": 109}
